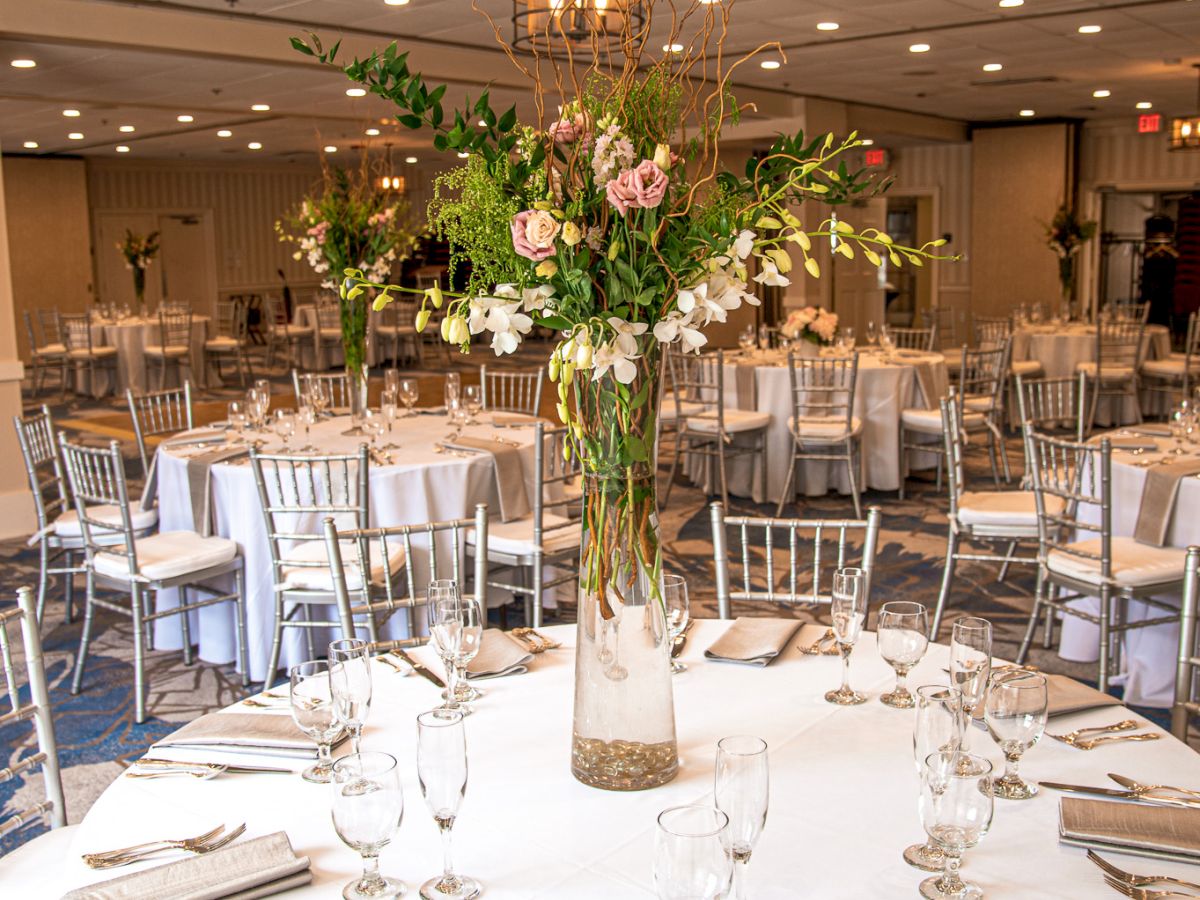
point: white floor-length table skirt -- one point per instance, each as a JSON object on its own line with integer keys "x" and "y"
{"x": 843, "y": 801}
{"x": 131, "y": 337}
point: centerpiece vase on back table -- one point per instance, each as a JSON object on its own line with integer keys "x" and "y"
{"x": 354, "y": 349}
{"x": 624, "y": 724}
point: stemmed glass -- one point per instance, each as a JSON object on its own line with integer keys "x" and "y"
{"x": 368, "y": 805}
{"x": 442, "y": 771}
{"x": 391, "y": 380}
{"x": 472, "y": 401}
{"x": 263, "y": 386}
{"x": 308, "y": 415}
{"x": 903, "y": 629}
{"x": 318, "y": 395}
{"x": 693, "y": 859}
{"x": 255, "y": 408}
{"x": 373, "y": 425}
{"x": 938, "y": 727}
{"x": 409, "y": 393}
{"x": 847, "y": 333}
{"x": 885, "y": 339}
{"x": 285, "y": 425}
{"x": 970, "y": 666}
{"x": 675, "y": 601}
{"x": 741, "y": 792}
{"x": 313, "y": 713}
{"x": 1015, "y": 712}
{"x": 849, "y": 612}
{"x": 451, "y": 389}
{"x": 350, "y": 684}
{"x": 235, "y": 413}
{"x": 956, "y": 810}
{"x": 1178, "y": 425}
{"x": 870, "y": 334}
{"x": 746, "y": 338}
{"x": 389, "y": 406}
{"x": 456, "y": 625}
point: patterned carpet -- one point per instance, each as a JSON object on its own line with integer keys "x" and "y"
{"x": 96, "y": 732}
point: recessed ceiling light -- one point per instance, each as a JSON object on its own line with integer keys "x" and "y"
{"x": 23, "y": 64}
{"x": 330, "y": 148}
{"x": 355, "y": 92}
{"x": 828, "y": 26}
{"x": 410, "y": 159}
{"x": 254, "y": 145}
{"x": 770, "y": 64}
{"x": 75, "y": 136}
{"x": 71, "y": 113}
{"x": 918, "y": 48}
{"x": 1089, "y": 29}
{"x": 1101, "y": 94}
{"x": 463, "y": 155}
{"x": 396, "y": 2}
{"x": 185, "y": 118}
{"x": 372, "y": 132}
{"x": 672, "y": 48}
{"x": 992, "y": 67}
{"x": 224, "y": 132}
{"x": 867, "y": 142}
{"x": 122, "y": 149}
{"x": 1009, "y": 4}
{"x": 1145, "y": 104}
{"x": 30, "y": 145}
{"x": 1026, "y": 113}
{"x": 260, "y": 107}
{"x": 127, "y": 129}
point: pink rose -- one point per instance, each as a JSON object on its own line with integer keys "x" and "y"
{"x": 533, "y": 234}
{"x": 650, "y": 182}
{"x": 622, "y": 191}
{"x": 568, "y": 131}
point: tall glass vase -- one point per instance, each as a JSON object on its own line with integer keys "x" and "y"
{"x": 139, "y": 289}
{"x": 354, "y": 349}
{"x": 624, "y": 723}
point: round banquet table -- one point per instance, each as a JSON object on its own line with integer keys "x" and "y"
{"x": 843, "y": 802}
{"x": 131, "y": 336}
{"x": 884, "y": 387}
{"x": 419, "y": 485}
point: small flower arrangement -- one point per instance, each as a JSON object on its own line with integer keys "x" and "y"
{"x": 1065, "y": 235}
{"x": 814, "y": 324}
{"x": 139, "y": 251}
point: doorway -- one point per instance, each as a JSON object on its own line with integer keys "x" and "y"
{"x": 909, "y": 289}
{"x": 857, "y": 287}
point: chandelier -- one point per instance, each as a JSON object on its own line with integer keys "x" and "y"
{"x": 542, "y": 26}
{"x": 1185, "y": 130}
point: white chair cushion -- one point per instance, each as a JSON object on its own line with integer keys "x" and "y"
{"x": 980, "y": 402}
{"x": 1026, "y": 367}
{"x": 929, "y": 421}
{"x": 97, "y": 352}
{"x": 169, "y": 554}
{"x": 25, "y": 872}
{"x": 68, "y": 526}
{"x": 222, "y": 343}
{"x": 687, "y": 409}
{"x": 331, "y": 334}
{"x": 1133, "y": 564}
{"x": 1108, "y": 373}
{"x": 294, "y": 330}
{"x": 736, "y": 420}
{"x": 1004, "y": 509}
{"x": 393, "y": 330}
{"x": 1169, "y": 368}
{"x": 172, "y": 350}
{"x": 321, "y": 578}
{"x": 824, "y": 429}
{"x": 516, "y": 538}
{"x": 51, "y": 350}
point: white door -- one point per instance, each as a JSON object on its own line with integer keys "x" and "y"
{"x": 857, "y": 285}
{"x": 188, "y": 268}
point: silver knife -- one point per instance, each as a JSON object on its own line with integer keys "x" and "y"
{"x": 419, "y": 667}
{"x": 149, "y": 763}
{"x": 1121, "y": 795}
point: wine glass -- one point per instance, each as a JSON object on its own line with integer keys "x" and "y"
{"x": 285, "y": 425}
{"x": 693, "y": 859}
{"x": 746, "y": 338}
{"x": 472, "y": 401}
{"x": 1015, "y": 713}
{"x": 235, "y": 413}
{"x": 456, "y": 626}
{"x": 350, "y": 683}
{"x": 451, "y": 389}
{"x": 741, "y": 792}
{"x": 848, "y": 609}
{"x": 442, "y": 771}
{"x": 764, "y": 337}
{"x": 1178, "y": 427}
{"x": 373, "y": 425}
{"x": 308, "y": 415}
{"x": 263, "y": 386}
{"x": 871, "y": 334}
{"x": 903, "y": 629}
{"x": 389, "y": 406}
{"x": 318, "y": 395}
{"x": 313, "y": 713}
{"x": 254, "y": 409}
{"x": 391, "y": 379}
{"x": 368, "y": 806}
{"x": 675, "y": 601}
{"x": 938, "y": 726}
{"x": 847, "y": 332}
{"x": 956, "y": 810}
{"x": 970, "y": 666}
{"x": 409, "y": 393}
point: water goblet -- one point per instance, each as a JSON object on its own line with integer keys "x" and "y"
{"x": 350, "y": 685}
{"x": 1015, "y": 713}
{"x": 317, "y": 390}
{"x": 254, "y": 409}
{"x": 263, "y": 386}
{"x": 389, "y": 405}
{"x": 372, "y": 424}
{"x": 451, "y": 389}
{"x": 847, "y": 333}
{"x": 442, "y": 772}
{"x": 956, "y": 811}
{"x": 308, "y": 416}
{"x": 746, "y": 338}
{"x": 693, "y": 859}
{"x": 472, "y": 402}
{"x": 675, "y": 602}
{"x": 970, "y": 666}
{"x": 885, "y": 339}
{"x": 938, "y": 726}
{"x": 741, "y": 792}
{"x": 764, "y": 337}
{"x": 391, "y": 379}
{"x": 408, "y": 393}
{"x": 1178, "y": 427}
{"x": 848, "y": 610}
{"x": 285, "y": 425}
{"x": 870, "y": 334}
{"x": 368, "y": 806}
{"x": 235, "y": 413}
{"x": 313, "y": 713}
{"x": 456, "y": 626}
{"x": 903, "y": 629}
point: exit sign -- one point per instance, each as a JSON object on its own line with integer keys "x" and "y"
{"x": 875, "y": 157}
{"x": 1150, "y": 123}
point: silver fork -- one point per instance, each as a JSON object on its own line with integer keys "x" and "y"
{"x": 1114, "y": 738}
{"x": 1137, "y": 880}
{"x": 197, "y": 847}
{"x": 1139, "y": 893}
{"x": 142, "y": 848}
{"x": 1072, "y": 736}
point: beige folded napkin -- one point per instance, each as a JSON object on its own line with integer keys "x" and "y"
{"x": 198, "y": 436}
{"x": 199, "y": 475}
{"x": 510, "y": 475}
{"x": 1158, "y": 499}
{"x": 1150, "y": 428}
{"x": 1066, "y": 696}
{"x": 1136, "y": 828}
{"x": 268, "y": 734}
{"x": 754, "y": 642}
{"x": 499, "y": 654}
{"x": 258, "y": 867}
{"x": 1127, "y": 442}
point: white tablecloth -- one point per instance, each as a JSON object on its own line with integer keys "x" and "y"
{"x": 130, "y": 337}
{"x": 421, "y": 486}
{"x": 843, "y": 802}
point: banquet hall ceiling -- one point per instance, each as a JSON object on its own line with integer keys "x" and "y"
{"x": 146, "y": 62}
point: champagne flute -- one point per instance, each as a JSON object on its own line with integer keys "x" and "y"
{"x": 472, "y": 401}
{"x": 848, "y": 609}
{"x": 1015, "y": 712}
{"x": 254, "y": 410}
{"x": 970, "y": 666}
{"x": 263, "y": 386}
{"x": 389, "y": 406}
{"x": 368, "y": 806}
{"x": 308, "y": 415}
{"x": 285, "y": 425}
{"x": 938, "y": 727}
{"x": 741, "y": 792}
{"x": 956, "y": 810}
{"x": 313, "y": 713}
{"x": 350, "y": 683}
{"x": 391, "y": 379}
{"x": 693, "y": 859}
{"x": 456, "y": 625}
{"x": 675, "y": 601}
{"x": 871, "y": 334}
{"x": 442, "y": 771}
{"x": 451, "y": 389}
{"x": 409, "y": 393}
{"x": 903, "y": 630}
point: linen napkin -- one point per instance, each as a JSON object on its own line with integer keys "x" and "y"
{"x": 1152, "y": 429}
{"x": 746, "y": 376}
{"x": 198, "y": 436}
{"x": 753, "y": 641}
{"x": 499, "y": 654}
{"x": 1158, "y": 499}
{"x": 1127, "y": 442}
{"x": 510, "y": 476}
{"x": 264, "y": 734}
{"x": 1140, "y": 829}
{"x": 199, "y": 475}
{"x": 258, "y": 867}
{"x": 1065, "y": 696}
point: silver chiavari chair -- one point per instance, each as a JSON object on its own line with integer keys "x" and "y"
{"x": 281, "y": 332}
{"x": 815, "y": 549}
{"x": 673, "y": 409}
{"x": 823, "y": 424}
{"x": 19, "y": 634}
{"x": 1057, "y": 406}
{"x": 443, "y": 543}
{"x": 328, "y": 333}
{"x": 159, "y": 412}
{"x": 395, "y": 330}
{"x": 550, "y": 536}
{"x": 143, "y": 566}
{"x": 516, "y": 391}
{"x": 913, "y": 338}
{"x": 338, "y": 387}
{"x": 950, "y": 327}
{"x": 174, "y": 345}
{"x": 46, "y": 348}
{"x": 1079, "y": 555}
{"x": 233, "y": 334}
{"x": 1174, "y": 376}
{"x": 81, "y": 351}
{"x": 1114, "y": 373}
{"x": 1131, "y": 310}
{"x": 1187, "y": 673}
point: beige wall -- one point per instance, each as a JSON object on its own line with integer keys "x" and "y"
{"x": 1019, "y": 178}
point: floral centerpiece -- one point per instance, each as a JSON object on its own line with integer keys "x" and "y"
{"x": 1065, "y": 235}
{"x": 615, "y": 224}
{"x": 139, "y": 251}
{"x": 350, "y": 223}
{"x": 813, "y": 324}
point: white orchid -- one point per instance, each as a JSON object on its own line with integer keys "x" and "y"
{"x": 678, "y": 327}
{"x": 610, "y": 356}
{"x": 536, "y": 297}
{"x": 501, "y": 316}
{"x": 771, "y": 276}
{"x": 744, "y": 244}
{"x": 627, "y": 335}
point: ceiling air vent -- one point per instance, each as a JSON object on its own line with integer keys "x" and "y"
{"x": 1017, "y": 82}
